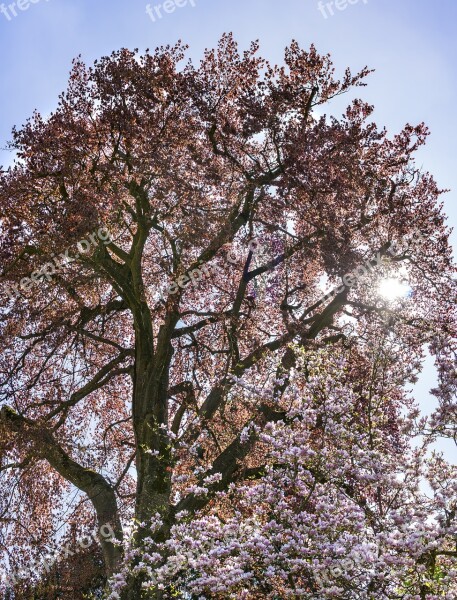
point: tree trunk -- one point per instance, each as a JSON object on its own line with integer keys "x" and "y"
{"x": 154, "y": 457}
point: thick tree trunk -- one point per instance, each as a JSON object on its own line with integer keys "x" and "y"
{"x": 154, "y": 457}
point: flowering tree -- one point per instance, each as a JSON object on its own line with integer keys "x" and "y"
{"x": 215, "y": 376}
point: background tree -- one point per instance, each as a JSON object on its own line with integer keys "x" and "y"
{"x": 178, "y": 376}
{"x": 78, "y": 577}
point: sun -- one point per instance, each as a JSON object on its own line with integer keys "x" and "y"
{"x": 392, "y": 288}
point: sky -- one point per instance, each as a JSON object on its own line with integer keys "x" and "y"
{"x": 412, "y": 45}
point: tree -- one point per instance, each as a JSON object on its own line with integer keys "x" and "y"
{"x": 173, "y": 359}
{"x": 79, "y": 577}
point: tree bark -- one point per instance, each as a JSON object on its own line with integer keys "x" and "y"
{"x": 98, "y": 490}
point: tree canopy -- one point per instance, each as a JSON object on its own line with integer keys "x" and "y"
{"x": 196, "y": 352}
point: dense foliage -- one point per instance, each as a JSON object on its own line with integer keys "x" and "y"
{"x": 171, "y": 364}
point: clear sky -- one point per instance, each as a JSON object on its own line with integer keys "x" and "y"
{"x": 412, "y": 44}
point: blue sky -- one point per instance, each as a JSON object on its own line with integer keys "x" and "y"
{"x": 411, "y": 44}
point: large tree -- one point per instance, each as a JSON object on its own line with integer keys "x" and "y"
{"x": 183, "y": 379}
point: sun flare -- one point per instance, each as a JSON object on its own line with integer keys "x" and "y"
{"x": 392, "y": 288}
